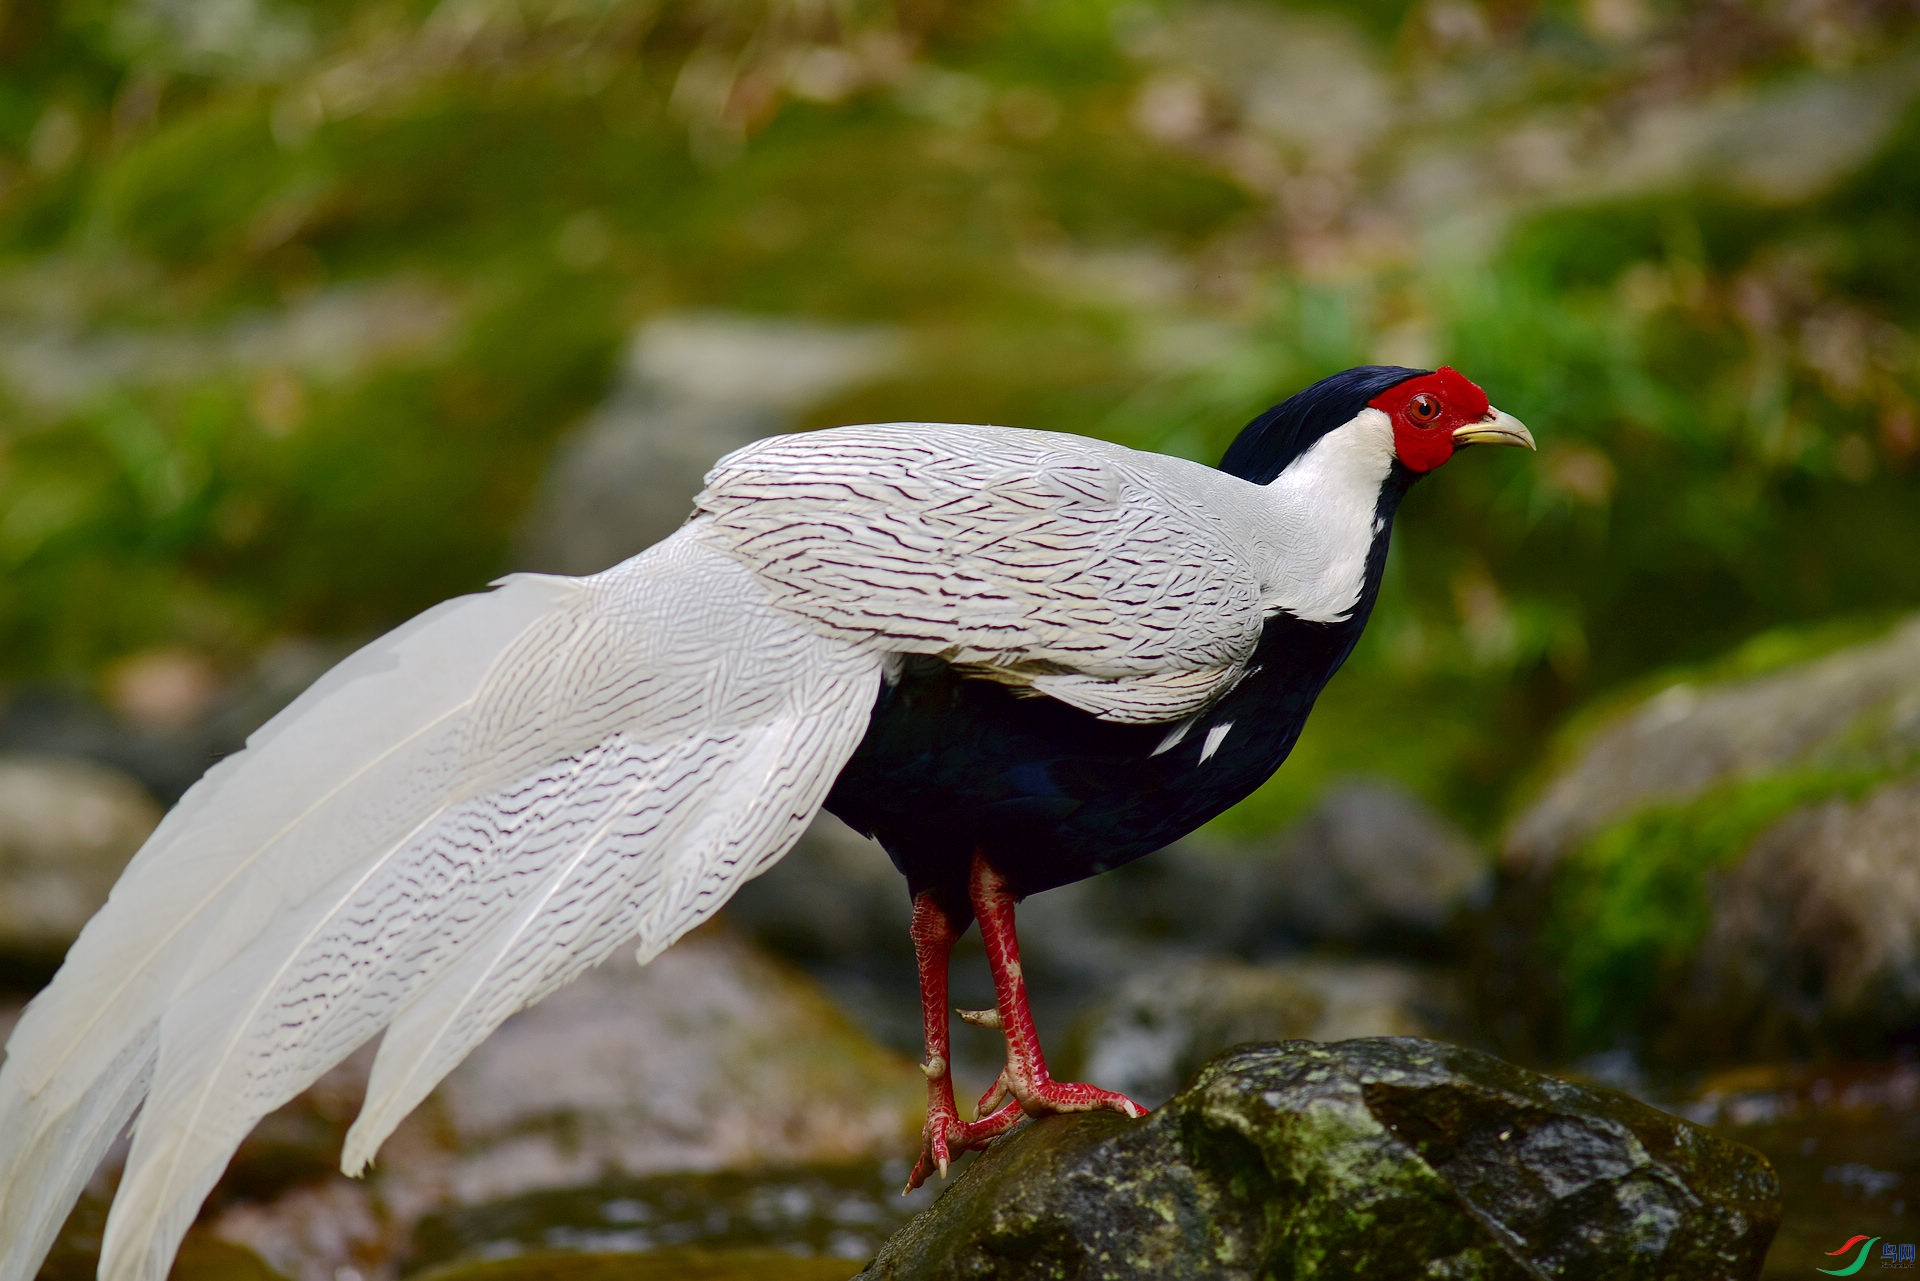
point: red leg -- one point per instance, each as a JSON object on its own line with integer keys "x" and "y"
{"x": 1026, "y": 1076}
{"x": 946, "y": 1135}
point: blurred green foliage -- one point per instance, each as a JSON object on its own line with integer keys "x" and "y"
{"x": 295, "y": 299}
{"x": 1631, "y": 904}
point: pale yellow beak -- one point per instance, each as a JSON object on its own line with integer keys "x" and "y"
{"x": 1497, "y": 428}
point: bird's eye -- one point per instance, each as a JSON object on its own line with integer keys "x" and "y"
{"x": 1423, "y": 408}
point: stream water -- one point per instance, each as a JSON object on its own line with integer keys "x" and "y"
{"x": 1845, "y": 1141}
{"x": 829, "y": 1212}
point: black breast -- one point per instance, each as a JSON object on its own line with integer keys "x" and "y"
{"x": 1052, "y": 794}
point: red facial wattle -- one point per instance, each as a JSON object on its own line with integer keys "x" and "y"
{"x": 1424, "y": 445}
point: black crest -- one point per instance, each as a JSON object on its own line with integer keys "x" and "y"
{"x": 1266, "y": 445}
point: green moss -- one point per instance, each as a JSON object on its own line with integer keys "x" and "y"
{"x": 1630, "y": 904}
{"x": 663, "y": 1265}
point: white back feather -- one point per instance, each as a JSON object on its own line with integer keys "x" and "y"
{"x": 1130, "y": 585}
{"x": 1003, "y": 548}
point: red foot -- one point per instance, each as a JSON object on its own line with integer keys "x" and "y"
{"x": 997, "y": 1093}
{"x": 1046, "y": 1096}
{"x": 1072, "y": 1096}
{"x": 1024, "y": 1086}
{"x": 1025, "y": 1077}
{"x": 946, "y": 1136}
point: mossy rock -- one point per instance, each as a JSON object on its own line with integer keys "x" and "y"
{"x": 660, "y": 1265}
{"x": 1674, "y": 889}
{"x": 1384, "y": 1158}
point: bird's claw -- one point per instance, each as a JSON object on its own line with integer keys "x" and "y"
{"x": 1038, "y": 1094}
{"x": 946, "y": 1136}
{"x": 1048, "y": 1096}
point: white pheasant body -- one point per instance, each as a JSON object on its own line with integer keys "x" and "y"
{"x": 481, "y": 805}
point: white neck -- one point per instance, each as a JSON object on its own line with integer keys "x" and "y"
{"x": 1321, "y": 520}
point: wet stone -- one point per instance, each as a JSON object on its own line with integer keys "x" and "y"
{"x": 1388, "y": 1157}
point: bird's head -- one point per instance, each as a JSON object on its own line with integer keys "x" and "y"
{"x": 1415, "y": 417}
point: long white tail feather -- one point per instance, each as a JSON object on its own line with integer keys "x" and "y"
{"x": 75, "y": 1145}
{"x": 191, "y": 897}
{"x": 206, "y": 858}
{"x": 457, "y": 820}
{"x": 566, "y": 933}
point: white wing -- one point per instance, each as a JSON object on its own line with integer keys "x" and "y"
{"x": 1110, "y": 579}
{"x": 454, "y": 822}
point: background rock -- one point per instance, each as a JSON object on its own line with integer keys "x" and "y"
{"x": 1370, "y": 870}
{"x": 1163, "y": 1024}
{"x": 1814, "y": 938}
{"x": 1377, "y": 1158}
{"x": 1725, "y": 870}
{"x": 834, "y": 896}
{"x": 1369, "y": 867}
{"x": 166, "y": 758}
{"x": 708, "y": 1058}
{"x": 67, "y": 827}
{"x": 837, "y": 907}
{"x": 1860, "y": 703}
